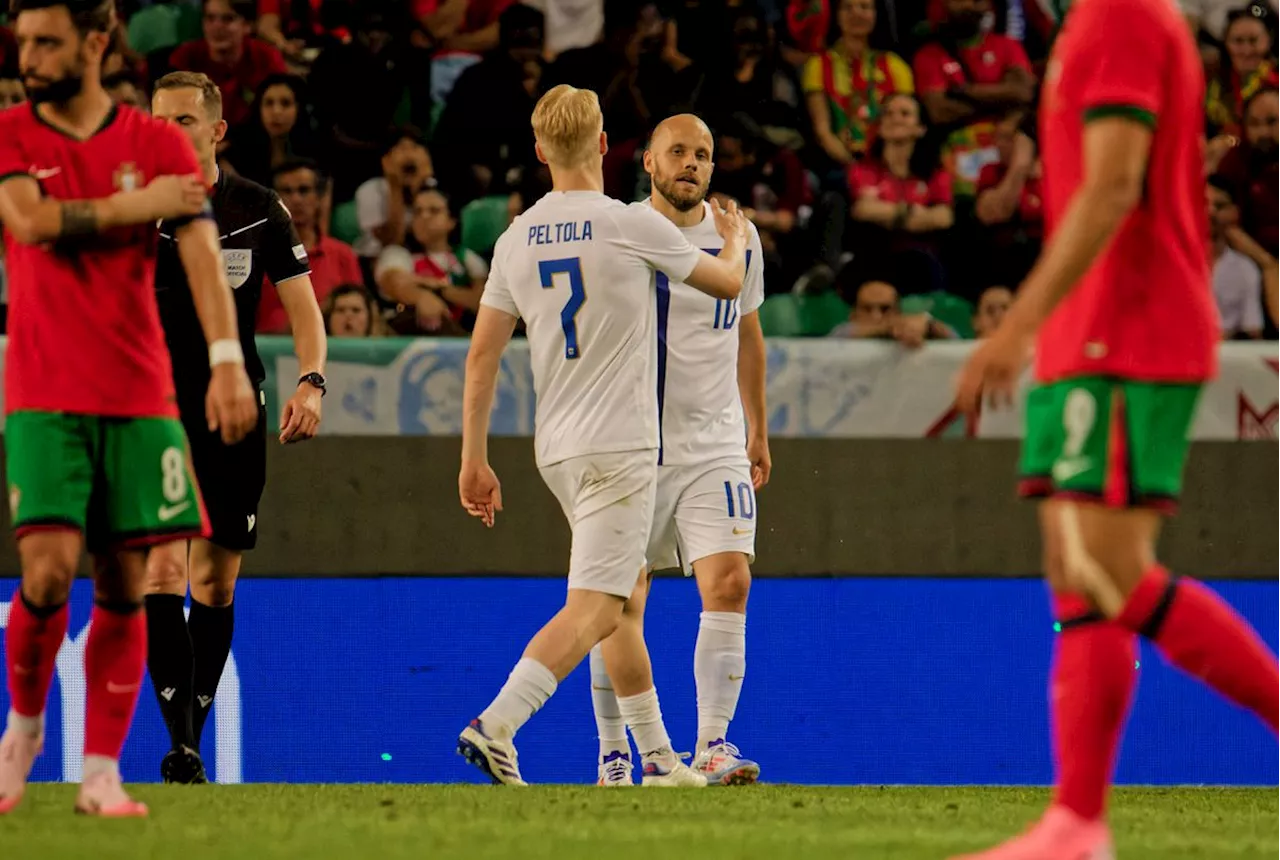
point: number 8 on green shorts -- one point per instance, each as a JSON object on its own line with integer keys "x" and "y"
{"x": 1119, "y": 442}
{"x": 122, "y": 482}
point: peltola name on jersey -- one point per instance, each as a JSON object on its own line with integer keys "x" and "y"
{"x": 569, "y": 231}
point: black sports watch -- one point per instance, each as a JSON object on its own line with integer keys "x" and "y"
{"x": 316, "y": 380}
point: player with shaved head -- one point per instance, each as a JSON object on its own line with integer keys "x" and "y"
{"x": 711, "y": 367}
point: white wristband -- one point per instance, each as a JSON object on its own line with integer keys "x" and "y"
{"x": 225, "y": 351}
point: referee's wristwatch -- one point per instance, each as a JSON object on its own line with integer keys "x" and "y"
{"x": 316, "y": 380}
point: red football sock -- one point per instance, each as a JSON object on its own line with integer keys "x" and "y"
{"x": 1199, "y": 633}
{"x": 115, "y": 658}
{"x": 1092, "y": 683}
{"x": 31, "y": 643}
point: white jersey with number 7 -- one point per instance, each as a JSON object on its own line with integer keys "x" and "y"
{"x": 578, "y": 267}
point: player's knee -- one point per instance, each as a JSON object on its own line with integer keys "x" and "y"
{"x": 47, "y": 574}
{"x": 604, "y": 617}
{"x": 726, "y": 585}
{"x": 213, "y": 591}
{"x": 167, "y": 571}
{"x": 214, "y": 571}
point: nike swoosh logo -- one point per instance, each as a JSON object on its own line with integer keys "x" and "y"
{"x": 122, "y": 688}
{"x": 738, "y": 531}
{"x": 45, "y": 173}
{"x": 602, "y": 689}
{"x": 736, "y": 677}
{"x": 1065, "y": 470}
{"x": 168, "y": 512}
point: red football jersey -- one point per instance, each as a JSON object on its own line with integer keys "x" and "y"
{"x": 1145, "y": 308}
{"x": 984, "y": 61}
{"x": 84, "y": 332}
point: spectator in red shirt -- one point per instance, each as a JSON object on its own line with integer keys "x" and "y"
{"x": 300, "y": 185}
{"x": 901, "y": 198}
{"x": 1249, "y": 171}
{"x": 968, "y": 79}
{"x": 237, "y": 62}
{"x": 294, "y": 25}
{"x": 1011, "y": 207}
{"x": 1250, "y": 67}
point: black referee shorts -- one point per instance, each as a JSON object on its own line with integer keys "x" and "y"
{"x": 231, "y": 477}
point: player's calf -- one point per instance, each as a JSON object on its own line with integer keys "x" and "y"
{"x": 35, "y": 630}
{"x": 720, "y": 664}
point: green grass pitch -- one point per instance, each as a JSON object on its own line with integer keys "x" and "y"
{"x": 267, "y": 822}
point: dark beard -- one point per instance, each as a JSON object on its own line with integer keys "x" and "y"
{"x": 57, "y": 92}
{"x": 667, "y": 190}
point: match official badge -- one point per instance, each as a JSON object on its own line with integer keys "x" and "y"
{"x": 127, "y": 177}
{"x": 237, "y": 262}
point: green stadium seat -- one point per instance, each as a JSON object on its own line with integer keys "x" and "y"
{"x": 821, "y": 313}
{"x": 780, "y": 316}
{"x": 155, "y": 28}
{"x": 952, "y": 310}
{"x": 483, "y": 221}
{"x": 344, "y": 224}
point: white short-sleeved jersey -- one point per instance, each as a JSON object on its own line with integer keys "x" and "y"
{"x": 699, "y": 409}
{"x": 578, "y": 267}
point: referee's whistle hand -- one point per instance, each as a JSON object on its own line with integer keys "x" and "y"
{"x": 230, "y": 406}
{"x": 300, "y": 419}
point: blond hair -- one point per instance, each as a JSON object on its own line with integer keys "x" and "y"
{"x": 567, "y": 123}
{"x": 210, "y": 95}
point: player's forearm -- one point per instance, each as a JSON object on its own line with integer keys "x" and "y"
{"x": 477, "y": 404}
{"x": 1088, "y": 226}
{"x": 492, "y": 332}
{"x": 927, "y": 219}
{"x": 201, "y": 257}
{"x": 751, "y": 375}
{"x": 48, "y": 220}
{"x": 306, "y": 322}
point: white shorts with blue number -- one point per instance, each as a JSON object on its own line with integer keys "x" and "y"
{"x": 701, "y": 510}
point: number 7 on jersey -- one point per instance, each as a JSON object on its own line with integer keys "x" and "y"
{"x": 570, "y": 267}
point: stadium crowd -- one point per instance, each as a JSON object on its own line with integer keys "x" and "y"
{"x": 884, "y": 149}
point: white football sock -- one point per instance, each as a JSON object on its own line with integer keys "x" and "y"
{"x": 609, "y": 723}
{"x": 528, "y": 687}
{"x": 719, "y": 665}
{"x": 33, "y": 726}
{"x": 96, "y": 764}
{"x": 644, "y": 717}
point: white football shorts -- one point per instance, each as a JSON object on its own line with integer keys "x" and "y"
{"x": 608, "y": 501}
{"x": 702, "y": 510}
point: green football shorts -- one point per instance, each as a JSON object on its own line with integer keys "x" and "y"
{"x": 1116, "y": 441}
{"x": 122, "y": 482}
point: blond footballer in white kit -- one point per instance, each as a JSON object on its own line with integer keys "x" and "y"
{"x": 578, "y": 268}
{"x": 711, "y": 361}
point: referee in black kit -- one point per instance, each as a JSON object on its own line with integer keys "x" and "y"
{"x": 186, "y": 656}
